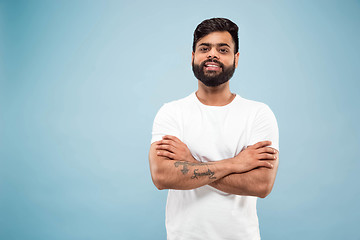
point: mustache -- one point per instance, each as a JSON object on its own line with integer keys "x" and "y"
{"x": 213, "y": 61}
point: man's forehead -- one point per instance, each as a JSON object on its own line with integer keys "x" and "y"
{"x": 217, "y": 38}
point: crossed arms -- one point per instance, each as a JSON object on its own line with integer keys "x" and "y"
{"x": 252, "y": 172}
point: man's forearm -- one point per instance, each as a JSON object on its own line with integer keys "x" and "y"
{"x": 257, "y": 182}
{"x": 182, "y": 175}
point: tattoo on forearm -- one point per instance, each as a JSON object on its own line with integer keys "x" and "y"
{"x": 208, "y": 173}
{"x": 185, "y": 169}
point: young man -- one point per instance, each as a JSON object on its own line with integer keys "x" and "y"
{"x": 216, "y": 151}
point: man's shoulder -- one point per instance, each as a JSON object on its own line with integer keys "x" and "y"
{"x": 180, "y": 103}
{"x": 251, "y": 104}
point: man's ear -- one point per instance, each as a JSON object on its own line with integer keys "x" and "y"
{"x": 192, "y": 57}
{"x": 237, "y": 59}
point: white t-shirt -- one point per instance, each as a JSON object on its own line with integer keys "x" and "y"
{"x": 213, "y": 133}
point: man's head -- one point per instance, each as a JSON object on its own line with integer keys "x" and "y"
{"x": 216, "y": 25}
{"x": 215, "y": 51}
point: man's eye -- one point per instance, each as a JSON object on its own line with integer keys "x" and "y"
{"x": 223, "y": 50}
{"x": 203, "y": 49}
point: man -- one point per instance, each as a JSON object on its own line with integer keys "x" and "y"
{"x": 215, "y": 151}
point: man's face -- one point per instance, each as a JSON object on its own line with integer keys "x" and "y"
{"x": 214, "y": 60}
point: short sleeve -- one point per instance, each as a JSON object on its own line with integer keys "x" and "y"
{"x": 265, "y": 127}
{"x": 165, "y": 123}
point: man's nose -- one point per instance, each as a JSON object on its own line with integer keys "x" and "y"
{"x": 213, "y": 53}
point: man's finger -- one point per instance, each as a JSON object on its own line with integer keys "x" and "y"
{"x": 267, "y": 156}
{"x": 167, "y": 142}
{"x": 267, "y": 150}
{"x": 166, "y": 147}
{"x": 260, "y": 144}
{"x": 265, "y": 164}
{"x": 165, "y": 153}
{"x": 169, "y": 137}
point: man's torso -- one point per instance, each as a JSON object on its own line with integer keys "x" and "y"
{"x": 211, "y": 133}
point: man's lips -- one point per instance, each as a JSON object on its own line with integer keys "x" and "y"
{"x": 212, "y": 66}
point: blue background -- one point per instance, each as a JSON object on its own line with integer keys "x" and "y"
{"x": 81, "y": 82}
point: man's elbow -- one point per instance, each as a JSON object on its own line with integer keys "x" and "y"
{"x": 268, "y": 181}
{"x": 156, "y": 172}
{"x": 265, "y": 190}
{"x": 158, "y": 183}
{"x": 158, "y": 178}
{"x": 159, "y": 187}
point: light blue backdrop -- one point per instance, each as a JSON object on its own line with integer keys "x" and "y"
{"x": 81, "y": 82}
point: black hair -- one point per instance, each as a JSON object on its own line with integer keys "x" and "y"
{"x": 216, "y": 25}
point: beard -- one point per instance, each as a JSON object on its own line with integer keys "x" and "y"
{"x": 212, "y": 78}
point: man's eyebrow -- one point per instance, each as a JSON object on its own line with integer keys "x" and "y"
{"x": 223, "y": 44}
{"x": 218, "y": 44}
{"x": 204, "y": 44}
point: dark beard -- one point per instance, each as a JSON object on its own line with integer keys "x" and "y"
{"x": 210, "y": 78}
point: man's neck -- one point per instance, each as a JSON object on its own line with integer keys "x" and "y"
{"x": 215, "y": 96}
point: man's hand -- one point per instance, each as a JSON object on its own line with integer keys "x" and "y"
{"x": 257, "y": 182}
{"x": 254, "y": 156}
{"x": 174, "y": 149}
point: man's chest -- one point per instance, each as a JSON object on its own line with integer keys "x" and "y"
{"x": 215, "y": 135}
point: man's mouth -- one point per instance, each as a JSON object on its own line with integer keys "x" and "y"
{"x": 212, "y": 66}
